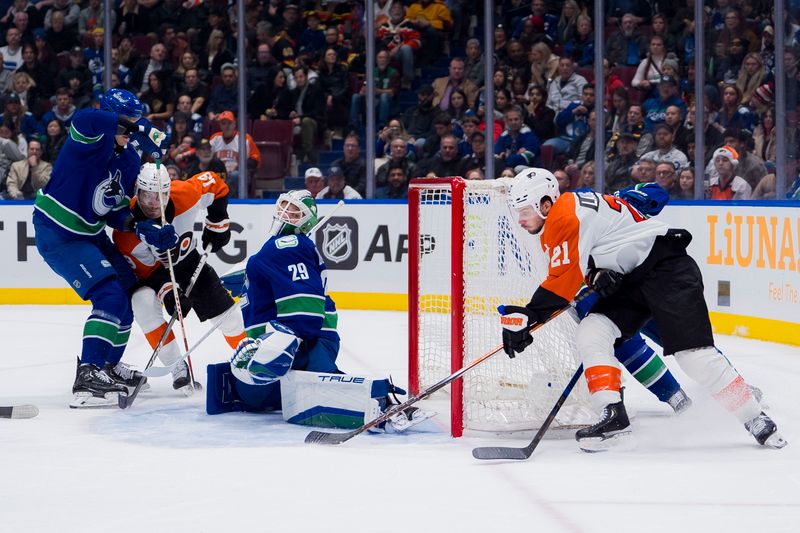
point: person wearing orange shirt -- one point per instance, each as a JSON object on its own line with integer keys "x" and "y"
{"x": 225, "y": 145}
{"x": 641, "y": 271}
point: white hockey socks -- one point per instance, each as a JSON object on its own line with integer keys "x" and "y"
{"x": 713, "y": 371}
{"x": 595, "y": 341}
{"x": 232, "y": 327}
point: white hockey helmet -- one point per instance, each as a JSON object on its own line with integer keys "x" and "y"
{"x": 530, "y": 187}
{"x": 295, "y": 212}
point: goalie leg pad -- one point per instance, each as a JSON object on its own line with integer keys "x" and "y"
{"x": 332, "y": 400}
{"x": 713, "y": 371}
{"x": 595, "y": 342}
{"x": 226, "y": 394}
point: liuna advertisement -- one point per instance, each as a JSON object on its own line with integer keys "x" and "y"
{"x": 749, "y": 256}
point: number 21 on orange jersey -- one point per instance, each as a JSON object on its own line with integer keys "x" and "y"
{"x": 558, "y": 255}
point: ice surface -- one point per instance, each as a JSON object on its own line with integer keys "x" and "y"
{"x": 164, "y": 466}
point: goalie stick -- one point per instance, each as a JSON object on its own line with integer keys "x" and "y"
{"x": 19, "y": 411}
{"x": 520, "y": 454}
{"x": 332, "y": 439}
{"x": 126, "y": 401}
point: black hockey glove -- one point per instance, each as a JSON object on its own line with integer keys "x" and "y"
{"x": 603, "y": 281}
{"x": 169, "y": 302}
{"x": 217, "y": 234}
{"x": 516, "y": 322}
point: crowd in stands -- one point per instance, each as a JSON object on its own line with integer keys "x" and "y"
{"x": 306, "y": 65}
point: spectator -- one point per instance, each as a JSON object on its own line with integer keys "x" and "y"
{"x": 77, "y": 69}
{"x": 732, "y": 114}
{"x": 217, "y": 55}
{"x": 637, "y": 127}
{"x": 566, "y": 88}
{"x": 565, "y": 29}
{"x": 532, "y": 32}
{"x": 648, "y": 73}
{"x": 308, "y": 113}
{"x": 638, "y": 10}
{"x": 618, "y": 170}
{"x": 581, "y": 149}
{"x": 42, "y": 75}
{"x": 469, "y": 126}
{"x": 312, "y": 40}
{"x": 431, "y": 18}
{"x": 655, "y": 109}
{"x": 627, "y": 46}
{"x": 418, "y": 120}
{"x": 272, "y": 100}
{"x": 455, "y": 80}
{"x": 181, "y": 148}
{"x": 158, "y": 97}
{"x": 93, "y": 16}
{"x": 474, "y": 63}
{"x": 617, "y": 117}
{"x": 59, "y": 37}
{"x": 402, "y": 40}
{"x": 581, "y": 46}
{"x": 644, "y": 171}
{"x": 5, "y": 76}
{"x": 685, "y": 184}
{"x": 22, "y": 23}
{"x": 94, "y": 57}
{"x": 188, "y": 61}
{"x": 586, "y": 177}
{"x": 539, "y": 15}
{"x": 474, "y": 174}
{"x": 681, "y": 134}
{"x": 22, "y": 6}
{"x": 62, "y": 111}
{"x": 332, "y": 40}
{"x": 458, "y": 110}
{"x": 28, "y": 175}
{"x": 764, "y": 136}
{"x": 314, "y": 181}
{"x": 541, "y": 119}
{"x": 667, "y": 178}
{"x": 735, "y": 28}
{"x": 333, "y": 80}
{"x": 500, "y": 82}
{"x": 612, "y": 84}
{"x": 140, "y": 76}
{"x": 500, "y": 41}
{"x": 226, "y": 95}
{"x": 752, "y": 75}
{"x": 563, "y": 179}
{"x": 194, "y": 121}
{"x": 226, "y": 145}
{"x": 658, "y": 26}
{"x": 445, "y": 162}
{"x": 387, "y": 84}
{"x": 712, "y": 138}
{"x": 56, "y": 135}
{"x": 17, "y": 115}
{"x": 196, "y": 89}
{"x": 573, "y": 121}
{"x": 204, "y": 160}
{"x": 12, "y": 51}
{"x": 44, "y": 52}
{"x": 726, "y": 184}
{"x": 396, "y": 187}
{"x": 352, "y": 166}
{"x": 476, "y": 159}
{"x": 665, "y": 150}
{"x": 516, "y": 62}
{"x": 544, "y": 64}
{"x": 261, "y": 68}
{"x": 749, "y": 166}
{"x": 399, "y": 154}
{"x": 337, "y": 188}
{"x": 442, "y": 125}
{"x": 291, "y": 23}
{"x": 518, "y": 144}
{"x": 70, "y": 10}
{"x": 10, "y": 152}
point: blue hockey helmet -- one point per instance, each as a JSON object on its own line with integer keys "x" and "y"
{"x": 122, "y": 102}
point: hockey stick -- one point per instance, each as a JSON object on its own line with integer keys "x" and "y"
{"x": 19, "y": 411}
{"x": 520, "y": 454}
{"x": 324, "y": 437}
{"x": 126, "y": 401}
{"x": 157, "y": 371}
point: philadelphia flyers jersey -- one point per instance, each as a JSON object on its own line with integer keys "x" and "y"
{"x": 186, "y": 200}
{"x": 581, "y": 225}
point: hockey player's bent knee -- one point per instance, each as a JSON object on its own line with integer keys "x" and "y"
{"x": 595, "y": 341}
{"x": 147, "y": 308}
{"x": 110, "y": 300}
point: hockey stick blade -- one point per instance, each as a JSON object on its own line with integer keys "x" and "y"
{"x": 329, "y": 439}
{"x": 19, "y": 411}
{"x": 126, "y": 400}
{"x": 521, "y": 454}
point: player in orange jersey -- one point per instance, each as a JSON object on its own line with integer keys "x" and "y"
{"x": 640, "y": 269}
{"x": 183, "y": 201}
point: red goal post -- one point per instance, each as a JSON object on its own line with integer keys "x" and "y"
{"x": 467, "y": 255}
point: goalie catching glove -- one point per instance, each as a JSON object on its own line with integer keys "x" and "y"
{"x": 516, "y": 322}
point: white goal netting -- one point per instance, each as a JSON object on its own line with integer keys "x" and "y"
{"x": 499, "y": 263}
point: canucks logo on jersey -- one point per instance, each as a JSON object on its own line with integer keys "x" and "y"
{"x": 108, "y": 194}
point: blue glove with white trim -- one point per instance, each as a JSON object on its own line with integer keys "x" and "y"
{"x": 159, "y": 237}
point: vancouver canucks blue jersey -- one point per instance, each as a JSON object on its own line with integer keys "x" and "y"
{"x": 286, "y": 282}
{"x": 91, "y": 184}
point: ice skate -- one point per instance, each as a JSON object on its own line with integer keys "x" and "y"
{"x": 612, "y": 427}
{"x": 408, "y": 418}
{"x": 765, "y": 431}
{"x": 680, "y": 402}
{"x": 181, "y": 377}
{"x": 125, "y": 375}
{"x": 94, "y": 388}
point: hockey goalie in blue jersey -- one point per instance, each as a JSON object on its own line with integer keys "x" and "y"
{"x": 91, "y": 187}
{"x": 288, "y": 361}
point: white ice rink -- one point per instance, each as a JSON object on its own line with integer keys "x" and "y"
{"x": 164, "y": 466}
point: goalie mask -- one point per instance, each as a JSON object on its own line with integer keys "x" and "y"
{"x": 152, "y": 188}
{"x": 530, "y": 187}
{"x": 295, "y": 212}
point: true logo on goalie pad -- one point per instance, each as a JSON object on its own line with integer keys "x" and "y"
{"x": 342, "y": 379}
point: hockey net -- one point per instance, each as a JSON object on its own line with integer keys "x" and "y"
{"x": 467, "y": 256}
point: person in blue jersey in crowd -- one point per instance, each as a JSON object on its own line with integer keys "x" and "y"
{"x": 288, "y": 361}
{"x": 91, "y": 186}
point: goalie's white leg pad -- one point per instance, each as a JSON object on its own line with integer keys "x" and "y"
{"x": 713, "y": 371}
{"x": 331, "y": 400}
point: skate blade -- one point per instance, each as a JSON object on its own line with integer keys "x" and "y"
{"x": 187, "y": 389}
{"x": 613, "y": 441}
{"x": 87, "y": 400}
{"x": 775, "y": 441}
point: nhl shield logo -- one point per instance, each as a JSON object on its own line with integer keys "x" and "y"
{"x": 336, "y": 242}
